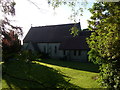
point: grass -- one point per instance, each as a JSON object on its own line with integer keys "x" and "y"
{"x": 50, "y": 73}
{"x": 81, "y": 74}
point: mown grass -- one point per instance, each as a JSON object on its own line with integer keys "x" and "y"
{"x": 83, "y": 75}
{"x": 49, "y": 74}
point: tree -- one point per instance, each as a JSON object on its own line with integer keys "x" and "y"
{"x": 9, "y": 32}
{"x": 76, "y": 6}
{"x": 105, "y": 41}
{"x": 7, "y": 10}
{"x": 11, "y": 45}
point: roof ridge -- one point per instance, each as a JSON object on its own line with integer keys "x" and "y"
{"x": 55, "y": 25}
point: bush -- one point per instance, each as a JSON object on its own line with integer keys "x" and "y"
{"x": 27, "y": 55}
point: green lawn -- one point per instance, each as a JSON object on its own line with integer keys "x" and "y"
{"x": 50, "y": 73}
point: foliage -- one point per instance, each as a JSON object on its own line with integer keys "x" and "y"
{"x": 9, "y": 32}
{"x": 27, "y": 56}
{"x": 43, "y": 55}
{"x": 7, "y": 10}
{"x": 11, "y": 45}
{"x": 76, "y": 6}
{"x": 105, "y": 41}
{"x": 7, "y": 6}
{"x": 74, "y": 30}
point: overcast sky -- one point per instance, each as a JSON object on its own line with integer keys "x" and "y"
{"x": 28, "y": 14}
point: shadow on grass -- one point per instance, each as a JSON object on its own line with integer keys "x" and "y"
{"x": 21, "y": 75}
{"x": 73, "y": 64}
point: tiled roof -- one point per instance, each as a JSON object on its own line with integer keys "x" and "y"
{"x": 72, "y": 43}
{"x": 77, "y": 42}
{"x": 53, "y": 33}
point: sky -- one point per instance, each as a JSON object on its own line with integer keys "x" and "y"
{"x": 27, "y": 15}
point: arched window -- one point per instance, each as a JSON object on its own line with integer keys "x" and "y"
{"x": 75, "y": 52}
{"x": 55, "y": 50}
{"x": 44, "y": 49}
{"x": 64, "y": 52}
